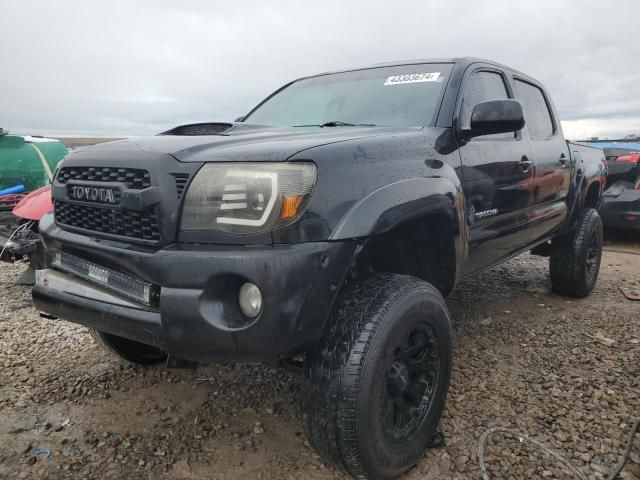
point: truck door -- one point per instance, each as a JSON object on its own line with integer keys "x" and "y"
{"x": 551, "y": 160}
{"x": 497, "y": 177}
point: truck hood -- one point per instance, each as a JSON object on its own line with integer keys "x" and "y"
{"x": 242, "y": 142}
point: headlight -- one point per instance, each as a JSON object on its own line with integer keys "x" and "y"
{"x": 247, "y": 198}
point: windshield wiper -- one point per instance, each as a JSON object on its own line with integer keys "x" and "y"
{"x": 336, "y": 123}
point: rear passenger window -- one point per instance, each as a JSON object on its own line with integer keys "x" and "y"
{"x": 482, "y": 87}
{"x": 536, "y": 112}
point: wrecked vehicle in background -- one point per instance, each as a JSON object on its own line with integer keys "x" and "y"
{"x": 621, "y": 201}
{"x": 19, "y": 237}
{"x": 28, "y": 161}
{"x": 26, "y": 169}
{"x": 324, "y": 229}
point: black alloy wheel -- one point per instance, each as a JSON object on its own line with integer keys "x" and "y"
{"x": 375, "y": 386}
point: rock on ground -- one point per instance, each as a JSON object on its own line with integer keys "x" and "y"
{"x": 524, "y": 358}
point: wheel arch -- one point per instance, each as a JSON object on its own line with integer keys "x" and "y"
{"x": 423, "y": 247}
{"x": 587, "y": 191}
{"x": 594, "y": 177}
{"x": 409, "y": 227}
{"x": 593, "y": 195}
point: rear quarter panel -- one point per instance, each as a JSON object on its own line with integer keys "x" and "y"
{"x": 589, "y": 168}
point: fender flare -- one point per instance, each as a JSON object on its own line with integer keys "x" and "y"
{"x": 592, "y": 174}
{"x": 398, "y": 202}
{"x": 406, "y": 200}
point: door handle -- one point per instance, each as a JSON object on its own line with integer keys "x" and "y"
{"x": 525, "y": 163}
{"x": 563, "y": 161}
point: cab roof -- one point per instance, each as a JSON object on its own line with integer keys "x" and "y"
{"x": 462, "y": 62}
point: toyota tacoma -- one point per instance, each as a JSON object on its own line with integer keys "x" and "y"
{"x": 326, "y": 225}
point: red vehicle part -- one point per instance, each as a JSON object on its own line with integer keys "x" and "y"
{"x": 633, "y": 158}
{"x": 34, "y": 205}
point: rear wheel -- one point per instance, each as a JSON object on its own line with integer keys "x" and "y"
{"x": 575, "y": 260}
{"x": 375, "y": 387}
{"x": 129, "y": 350}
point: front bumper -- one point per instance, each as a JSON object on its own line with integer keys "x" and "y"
{"x": 622, "y": 211}
{"x": 196, "y": 316}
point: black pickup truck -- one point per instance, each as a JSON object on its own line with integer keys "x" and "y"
{"x": 326, "y": 226}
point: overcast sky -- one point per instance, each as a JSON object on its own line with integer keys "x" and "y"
{"x": 124, "y": 68}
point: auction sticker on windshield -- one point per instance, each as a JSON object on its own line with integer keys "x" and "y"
{"x": 412, "y": 78}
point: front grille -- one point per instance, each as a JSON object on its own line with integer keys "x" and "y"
{"x": 133, "y": 178}
{"x": 123, "y": 223}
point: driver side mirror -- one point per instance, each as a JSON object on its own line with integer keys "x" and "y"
{"x": 496, "y": 116}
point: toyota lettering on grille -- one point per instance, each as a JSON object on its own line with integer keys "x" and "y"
{"x": 83, "y": 193}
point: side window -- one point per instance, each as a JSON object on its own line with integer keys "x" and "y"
{"x": 536, "y": 112}
{"x": 482, "y": 87}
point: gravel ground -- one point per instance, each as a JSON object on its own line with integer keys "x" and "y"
{"x": 563, "y": 371}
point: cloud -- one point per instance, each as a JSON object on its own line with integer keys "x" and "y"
{"x": 131, "y": 68}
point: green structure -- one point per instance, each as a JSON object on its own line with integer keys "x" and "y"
{"x": 28, "y": 161}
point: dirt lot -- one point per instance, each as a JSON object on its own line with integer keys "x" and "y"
{"x": 566, "y": 372}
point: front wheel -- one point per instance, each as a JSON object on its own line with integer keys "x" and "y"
{"x": 574, "y": 263}
{"x": 129, "y": 350}
{"x": 374, "y": 388}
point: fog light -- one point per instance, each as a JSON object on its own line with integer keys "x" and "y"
{"x": 250, "y": 300}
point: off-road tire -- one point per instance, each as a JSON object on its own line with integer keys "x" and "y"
{"x": 129, "y": 350}
{"x": 345, "y": 380}
{"x": 574, "y": 263}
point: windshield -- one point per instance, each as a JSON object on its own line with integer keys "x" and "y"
{"x": 400, "y": 96}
